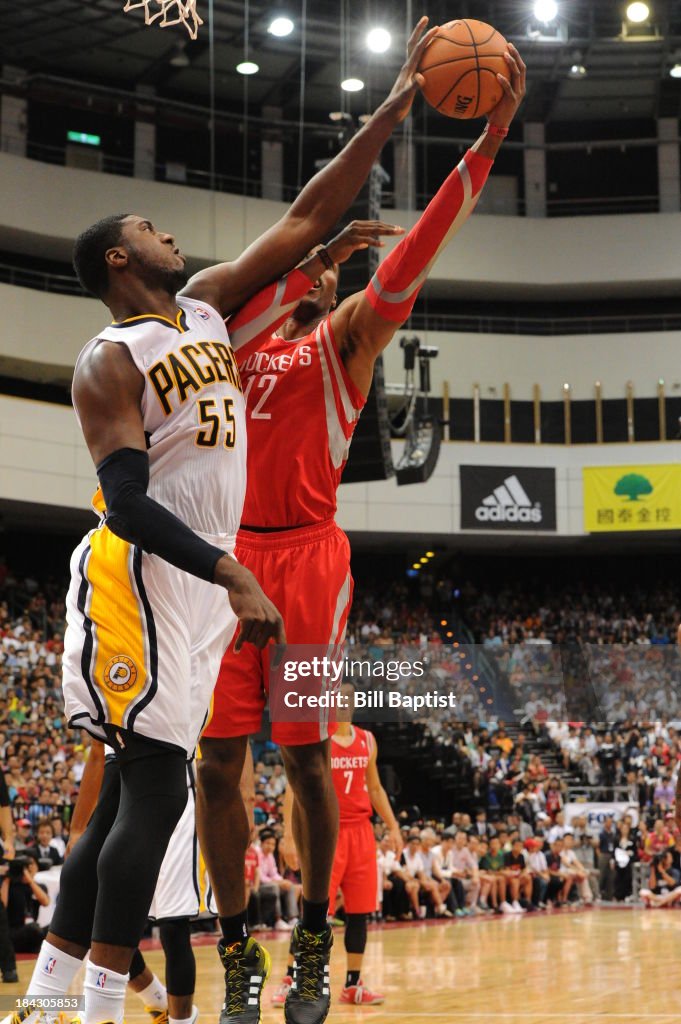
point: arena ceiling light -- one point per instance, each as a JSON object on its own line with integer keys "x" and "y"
{"x": 577, "y": 71}
{"x": 546, "y": 11}
{"x": 675, "y": 72}
{"x": 248, "y": 67}
{"x": 352, "y": 84}
{"x": 378, "y": 40}
{"x": 280, "y": 27}
{"x": 638, "y": 12}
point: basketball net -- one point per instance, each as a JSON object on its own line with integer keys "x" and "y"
{"x": 171, "y": 12}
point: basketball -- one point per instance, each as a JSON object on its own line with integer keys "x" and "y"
{"x": 460, "y": 68}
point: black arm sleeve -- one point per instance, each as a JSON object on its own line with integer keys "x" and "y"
{"x": 132, "y": 515}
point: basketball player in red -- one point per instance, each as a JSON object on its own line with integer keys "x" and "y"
{"x": 360, "y": 793}
{"x": 305, "y": 387}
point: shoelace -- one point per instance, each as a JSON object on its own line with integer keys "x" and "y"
{"x": 235, "y": 967}
{"x": 311, "y": 969}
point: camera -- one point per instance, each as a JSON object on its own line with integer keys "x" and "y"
{"x": 16, "y": 866}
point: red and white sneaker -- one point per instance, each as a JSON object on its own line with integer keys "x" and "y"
{"x": 358, "y": 995}
{"x": 280, "y": 993}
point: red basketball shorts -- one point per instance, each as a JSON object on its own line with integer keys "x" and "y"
{"x": 306, "y": 573}
{"x": 354, "y": 869}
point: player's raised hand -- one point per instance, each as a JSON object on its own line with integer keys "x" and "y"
{"x": 360, "y": 234}
{"x": 514, "y": 89}
{"x": 409, "y": 81}
{"x": 259, "y": 621}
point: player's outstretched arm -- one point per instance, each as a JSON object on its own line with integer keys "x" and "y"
{"x": 366, "y": 322}
{"x": 321, "y": 203}
{"x": 107, "y": 380}
{"x": 380, "y": 800}
{"x": 272, "y": 306}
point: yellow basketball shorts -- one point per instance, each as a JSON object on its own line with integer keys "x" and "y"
{"x": 143, "y": 642}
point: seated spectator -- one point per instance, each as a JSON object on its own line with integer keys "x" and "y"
{"x": 413, "y": 863}
{"x": 399, "y": 890}
{"x": 478, "y": 849}
{"x": 438, "y": 887}
{"x": 492, "y": 867}
{"x": 559, "y": 886}
{"x": 536, "y": 863}
{"x": 585, "y": 849}
{"x": 659, "y": 840}
{"x": 273, "y": 886}
{"x": 464, "y": 869}
{"x": 276, "y": 784}
{"x": 45, "y": 849}
{"x": 664, "y": 888}
{"x": 573, "y": 869}
{"x": 518, "y": 878}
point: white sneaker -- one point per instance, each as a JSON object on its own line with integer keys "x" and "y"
{"x": 506, "y": 907}
{"x": 283, "y": 926}
{"x": 517, "y": 909}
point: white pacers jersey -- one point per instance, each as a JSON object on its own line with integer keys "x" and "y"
{"x": 144, "y": 640}
{"x": 193, "y": 411}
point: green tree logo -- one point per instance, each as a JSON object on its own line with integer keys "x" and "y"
{"x": 633, "y": 486}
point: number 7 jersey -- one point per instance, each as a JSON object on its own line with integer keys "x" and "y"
{"x": 349, "y": 763}
{"x": 302, "y": 409}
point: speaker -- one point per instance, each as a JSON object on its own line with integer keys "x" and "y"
{"x": 370, "y": 455}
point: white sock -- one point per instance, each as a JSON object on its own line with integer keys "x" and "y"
{"x": 53, "y": 975}
{"x": 54, "y": 972}
{"x": 104, "y": 995}
{"x": 187, "y": 1020}
{"x": 154, "y": 995}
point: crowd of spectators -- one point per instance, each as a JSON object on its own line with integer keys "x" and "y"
{"x": 582, "y": 653}
{"x": 517, "y": 854}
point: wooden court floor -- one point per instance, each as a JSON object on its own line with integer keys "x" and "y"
{"x": 561, "y": 968}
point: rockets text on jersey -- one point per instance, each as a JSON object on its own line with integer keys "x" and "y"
{"x": 349, "y": 765}
{"x": 302, "y": 409}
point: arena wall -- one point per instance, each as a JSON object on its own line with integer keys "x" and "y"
{"x": 43, "y": 459}
{"x": 42, "y": 206}
{"x": 47, "y": 331}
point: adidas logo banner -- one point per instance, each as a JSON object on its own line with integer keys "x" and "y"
{"x": 507, "y": 498}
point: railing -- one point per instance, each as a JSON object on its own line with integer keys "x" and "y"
{"x": 164, "y": 172}
{"x": 579, "y": 793}
{"x": 40, "y": 280}
{"x": 172, "y": 173}
{"x": 460, "y": 323}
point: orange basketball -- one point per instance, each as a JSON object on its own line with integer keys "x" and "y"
{"x": 460, "y": 67}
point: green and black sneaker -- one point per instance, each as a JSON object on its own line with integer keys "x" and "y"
{"x": 247, "y": 966}
{"x": 309, "y": 997}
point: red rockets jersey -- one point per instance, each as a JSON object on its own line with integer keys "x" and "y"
{"x": 349, "y": 774}
{"x": 302, "y": 408}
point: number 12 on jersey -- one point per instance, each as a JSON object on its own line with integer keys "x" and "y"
{"x": 214, "y": 421}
